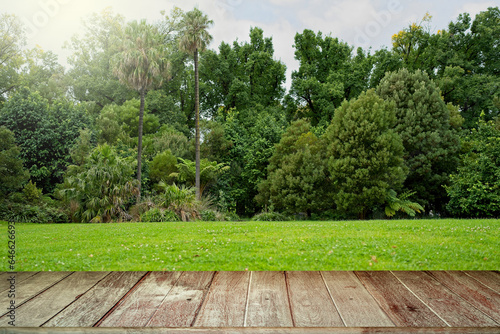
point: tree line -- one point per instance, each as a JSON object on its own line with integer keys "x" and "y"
{"x": 149, "y": 124}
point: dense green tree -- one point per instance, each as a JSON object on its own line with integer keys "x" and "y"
{"x": 251, "y": 140}
{"x": 45, "y": 133}
{"x": 296, "y": 180}
{"x": 423, "y": 122}
{"x": 462, "y": 60}
{"x": 12, "y": 40}
{"x": 365, "y": 154}
{"x": 41, "y": 72}
{"x": 329, "y": 72}
{"x": 141, "y": 65}
{"x": 12, "y": 173}
{"x": 167, "y": 138}
{"x": 91, "y": 75}
{"x": 194, "y": 38}
{"x": 242, "y": 76}
{"x": 475, "y": 188}
{"x": 103, "y": 189}
{"x": 115, "y": 121}
{"x": 162, "y": 166}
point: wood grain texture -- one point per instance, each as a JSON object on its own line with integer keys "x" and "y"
{"x": 180, "y": 306}
{"x": 268, "y": 304}
{"x": 19, "y": 277}
{"x": 141, "y": 304}
{"x": 404, "y": 309}
{"x": 226, "y": 301}
{"x": 33, "y": 286}
{"x": 355, "y": 304}
{"x": 87, "y": 310}
{"x": 40, "y": 309}
{"x": 476, "y": 293}
{"x": 489, "y": 278}
{"x": 449, "y": 306}
{"x": 310, "y": 302}
{"x": 250, "y": 330}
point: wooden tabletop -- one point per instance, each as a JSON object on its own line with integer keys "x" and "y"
{"x": 253, "y": 302}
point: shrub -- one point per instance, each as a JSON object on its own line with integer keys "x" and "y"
{"x": 159, "y": 215}
{"x": 269, "y": 216}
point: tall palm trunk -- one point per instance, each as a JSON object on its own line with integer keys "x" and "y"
{"x": 197, "y": 125}
{"x": 139, "y": 148}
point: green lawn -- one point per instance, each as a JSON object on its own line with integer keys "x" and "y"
{"x": 235, "y": 246}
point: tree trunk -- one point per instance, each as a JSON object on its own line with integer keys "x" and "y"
{"x": 139, "y": 148}
{"x": 197, "y": 125}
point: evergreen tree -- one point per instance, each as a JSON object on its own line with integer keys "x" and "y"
{"x": 423, "y": 122}
{"x": 475, "y": 188}
{"x": 365, "y": 154}
{"x": 296, "y": 173}
{"x": 12, "y": 172}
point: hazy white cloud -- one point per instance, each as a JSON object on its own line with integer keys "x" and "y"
{"x": 474, "y": 8}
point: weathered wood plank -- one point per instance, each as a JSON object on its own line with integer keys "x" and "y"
{"x": 268, "y": 304}
{"x": 226, "y": 301}
{"x": 310, "y": 302}
{"x": 33, "y": 286}
{"x": 489, "y": 278}
{"x": 476, "y": 293}
{"x": 142, "y": 303}
{"x": 449, "y": 306}
{"x": 404, "y": 309}
{"x": 38, "y": 310}
{"x": 253, "y": 330}
{"x": 19, "y": 277}
{"x": 87, "y": 310}
{"x": 180, "y": 306}
{"x": 355, "y": 304}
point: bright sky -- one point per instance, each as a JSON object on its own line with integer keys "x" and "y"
{"x": 366, "y": 23}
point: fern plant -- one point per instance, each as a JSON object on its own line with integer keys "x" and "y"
{"x": 401, "y": 203}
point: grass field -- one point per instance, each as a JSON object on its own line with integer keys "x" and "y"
{"x": 236, "y": 246}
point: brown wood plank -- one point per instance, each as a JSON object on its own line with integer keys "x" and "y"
{"x": 38, "y": 310}
{"x": 449, "y": 306}
{"x": 476, "y": 293}
{"x": 310, "y": 301}
{"x": 226, "y": 301}
{"x": 253, "y": 330}
{"x": 33, "y": 286}
{"x": 142, "y": 303}
{"x": 355, "y": 304}
{"x": 87, "y": 310}
{"x": 19, "y": 277}
{"x": 180, "y": 306}
{"x": 489, "y": 278}
{"x": 268, "y": 304}
{"x": 404, "y": 309}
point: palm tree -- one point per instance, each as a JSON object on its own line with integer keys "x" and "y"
{"x": 141, "y": 65}
{"x": 194, "y": 38}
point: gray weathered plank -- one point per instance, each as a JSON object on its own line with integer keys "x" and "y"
{"x": 253, "y": 330}
{"x": 476, "y": 293}
{"x": 180, "y": 306}
{"x": 489, "y": 278}
{"x": 19, "y": 277}
{"x": 404, "y": 309}
{"x": 38, "y": 310}
{"x": 310, "y": 301}
{"x": 449, "y": 306}
{"x": 268, "y": 304}
{"x": 87, "y": 310}
{"x": 33, "y": 286}
{"x": 355, "y": 304}
{"x": 226, "y": 301}
{"x": 142, "y": 303}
